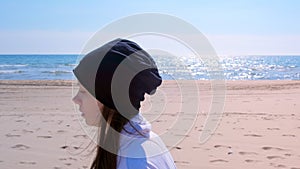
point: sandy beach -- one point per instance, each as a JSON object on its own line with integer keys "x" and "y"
{"x": 260, "y": 126}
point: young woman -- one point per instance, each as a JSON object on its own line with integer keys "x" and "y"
{"x": 113, "y": 80}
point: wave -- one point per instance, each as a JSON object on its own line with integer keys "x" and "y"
{"x": 57, "y": 72}
{"x": 10, "y": 71}
{"x": 14, "y": 65}
{"x": 69, "y": 64}
{"x": 292, "y": 66}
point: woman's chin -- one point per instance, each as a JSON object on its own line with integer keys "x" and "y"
{"x": 92, "y": 124}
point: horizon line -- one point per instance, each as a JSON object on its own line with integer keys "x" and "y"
{"x": 226, "y": 55}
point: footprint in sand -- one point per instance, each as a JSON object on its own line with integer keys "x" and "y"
{"x": 229, "y": 148}
{"x": 196, "y": 147}
{"x": 273, "y": 129}
{"x": 267, "y": 118}
{"x": 73, "y": 159}
{"x": 12, "y": 135}
{"x": 274, "y": 157}
{"x": 68, "y": 164}
{"x": 20, "y": 121}
{"x": 273, "y": 148}
{"x": 56, "y": 167}
{"x": 62, "y": 159}
{"x": 288, "y": 135}
{"x": 59, "y": 121}
{"x": 28, "y": 162}
{"x": 218, "y": 161}
{"x": 247, "y": 153}
{"x": 178, "y": 147}
{"x": 66, "y": 159}
{"x": 280, "y": 166}
{"x": 181, "y": 162}
{"x": 46, "y": 121}
{"x": 65, "y": 147}
{"x": 27, "y": 131}
{"x": 277, "y": 165}
{"x": 251, "y": 161}
{"x": 217, "y": 146}
{"x": 60, "y": 131}
{"x": 217, "y": 134}
{"x": 44, "y": 136}
{"x": 80, "y": 136}
{"x": 224, "y": 146}
{"x": 253, "y": 135}
{"x": 238, "y": 128}
{"x": 20, "y": 147}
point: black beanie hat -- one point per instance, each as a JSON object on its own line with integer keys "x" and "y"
{"x": 118, "y": 74}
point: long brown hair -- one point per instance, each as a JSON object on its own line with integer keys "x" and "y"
{"x": 108, "y": 140}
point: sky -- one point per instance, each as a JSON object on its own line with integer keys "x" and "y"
{"x": 233, "y": 27}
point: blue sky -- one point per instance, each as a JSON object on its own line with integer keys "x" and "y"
{"x": 234, "y": 27}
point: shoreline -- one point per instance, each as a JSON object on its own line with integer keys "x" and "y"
{"x": 230, "y": 84}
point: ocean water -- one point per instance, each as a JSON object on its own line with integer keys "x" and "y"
{"x": 54, "y": 67}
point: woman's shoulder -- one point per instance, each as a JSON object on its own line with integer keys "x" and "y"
{"x": 143, "y": 151}
{"x": 148, "y": 152}
{"x": 140, "y": 156}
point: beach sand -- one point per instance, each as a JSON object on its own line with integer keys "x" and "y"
{"x": 259, "y": 128}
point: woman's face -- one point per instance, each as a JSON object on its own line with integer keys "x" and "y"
{"x": 88, "y": 106}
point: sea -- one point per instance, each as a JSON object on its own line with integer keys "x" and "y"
{"x": 60, "y": 66}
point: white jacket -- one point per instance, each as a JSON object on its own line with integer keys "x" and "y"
{"x": 142, "y": 152}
